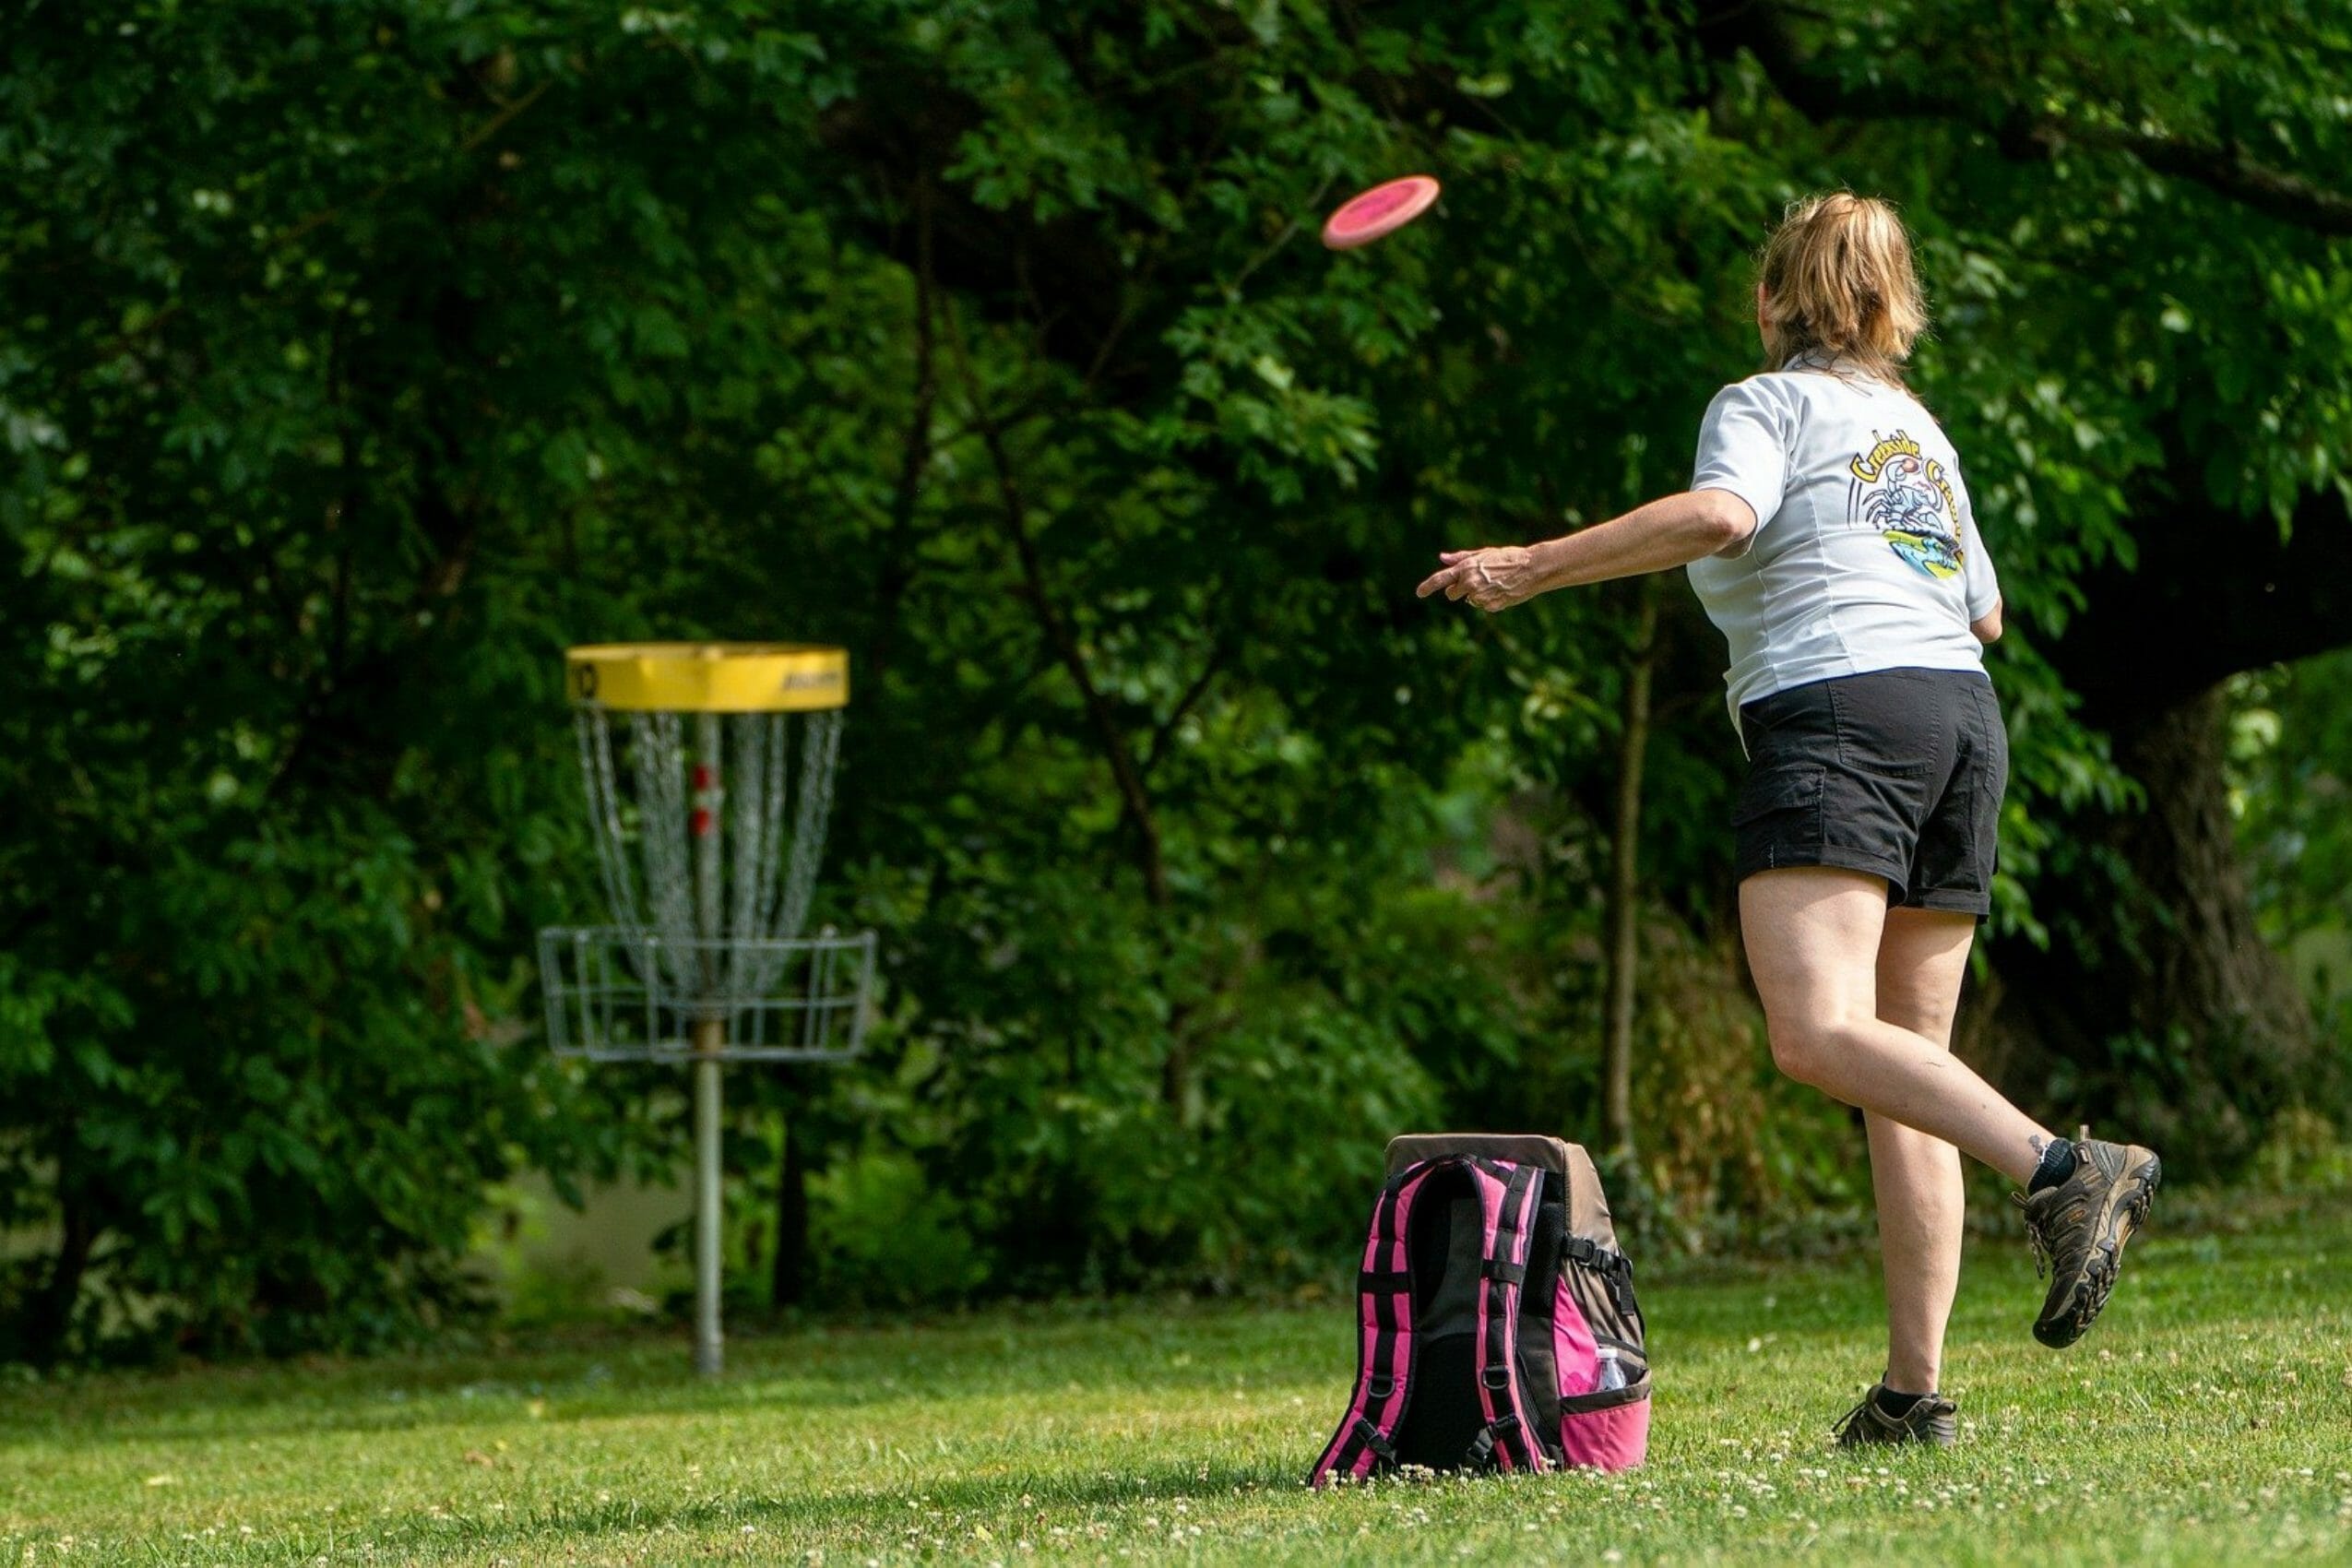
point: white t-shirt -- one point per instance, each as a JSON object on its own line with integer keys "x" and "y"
{"x": 1865, "y": 555}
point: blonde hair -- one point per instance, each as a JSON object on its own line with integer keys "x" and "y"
{"x": 1838, "y": 283}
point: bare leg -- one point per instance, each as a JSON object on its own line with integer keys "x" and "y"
{"x": 1921, "y": 957}
{"x": 1813, "y": 938}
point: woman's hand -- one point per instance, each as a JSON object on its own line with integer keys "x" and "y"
{"x": 1495, "y": 578}
{"x": 1673, "y": 531}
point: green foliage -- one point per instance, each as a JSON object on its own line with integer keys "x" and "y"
{"x": 2290, "y": 763}
{"x": 2303, "y": 1155}
{"x": 886, "y": 1239}
{"x": 291, "y": 369}
{"x": 356, "y": 358}
{"x": 2290, "y": 752}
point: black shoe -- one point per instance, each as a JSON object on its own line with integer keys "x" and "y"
{"x": 1933, "y": 1420}
{"x": 2078, "y": 1230}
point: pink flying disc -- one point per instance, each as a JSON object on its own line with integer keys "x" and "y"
{"x": 1383, "y": 209}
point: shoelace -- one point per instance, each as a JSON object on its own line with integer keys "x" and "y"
{"x": 1933, "y": 1405}
{"x": 2043, "y": 1262}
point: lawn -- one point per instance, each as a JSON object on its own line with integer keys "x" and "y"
{"x": 2207, "y": 1418}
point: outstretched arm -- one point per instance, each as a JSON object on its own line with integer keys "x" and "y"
{"x": 1673, "y": 531}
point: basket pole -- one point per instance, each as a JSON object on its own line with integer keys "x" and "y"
{"x": 686, "y": 961}
{"x": 709, "y": 1039}
{"x": 709, "y": 1344}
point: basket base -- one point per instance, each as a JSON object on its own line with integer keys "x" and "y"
{"x": 621, "y": 993}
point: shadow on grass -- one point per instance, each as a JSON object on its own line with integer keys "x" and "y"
{"x": 883, "y": 1506}
{"x": 1010, "y": 1348}
{"x": 861, "y": 1377}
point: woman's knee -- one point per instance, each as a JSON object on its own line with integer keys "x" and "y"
{"x": 1808, "y": 1049}
{"x": 1795, "y": 1050}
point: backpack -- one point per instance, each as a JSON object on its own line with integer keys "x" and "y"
{"x": 1491, "y": 1283}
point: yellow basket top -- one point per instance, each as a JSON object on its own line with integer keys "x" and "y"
{"x": 708, "y": 677}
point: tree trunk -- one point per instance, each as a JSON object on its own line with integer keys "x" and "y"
{"x": 49, "y": 1315}
{"x": 2157, "y": 1012}
{"x": 1625, "y": 885}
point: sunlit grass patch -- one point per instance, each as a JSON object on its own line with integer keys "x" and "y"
{"x": 2207, "y": 1418}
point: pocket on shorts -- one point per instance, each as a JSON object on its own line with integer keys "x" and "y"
{"x": 1780, "y": 787}
{"x": 1892, "y": 729}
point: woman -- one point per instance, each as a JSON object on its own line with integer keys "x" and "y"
{"x": 1829, "y": 537}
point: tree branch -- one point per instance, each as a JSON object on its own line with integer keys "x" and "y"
{"x": 1764, "y": 30}
{"x": 897, "y": 539}
{"x": 2155, "y": 635}
{"x": 1134, "y": 797}
{"x": 2224, "y": 171}
{"x": 1192, "y": 694}
{"x": 473, "y": 142}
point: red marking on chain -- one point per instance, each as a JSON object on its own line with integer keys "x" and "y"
{"x": 702, "y": 776}
{"x": 701, "y": 822}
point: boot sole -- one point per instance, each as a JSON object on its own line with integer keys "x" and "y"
{"x": 2089, "y": 1298}
{"x": 1909, "y": 1439}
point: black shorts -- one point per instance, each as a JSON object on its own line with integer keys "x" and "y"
{"x": 1898, "y": 773}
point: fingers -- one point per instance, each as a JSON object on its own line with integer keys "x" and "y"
{"x": 1455, "y": 582}
{"x": 1435, "y": 581}
{"x": 1461, "y": 579}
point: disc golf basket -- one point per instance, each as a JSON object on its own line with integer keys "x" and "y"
{"x": 709, "y": 773}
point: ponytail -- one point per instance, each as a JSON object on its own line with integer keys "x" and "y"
{"x": 1838, "y": 283}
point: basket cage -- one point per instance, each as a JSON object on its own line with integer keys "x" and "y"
{"x": 608, "y": 998}
{"x": 708, "y": 827}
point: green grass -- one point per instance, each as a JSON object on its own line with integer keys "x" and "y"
{"x": 2206, "y": 1419}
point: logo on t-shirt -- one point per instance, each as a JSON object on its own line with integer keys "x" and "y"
{"x": 1903, "y": 493}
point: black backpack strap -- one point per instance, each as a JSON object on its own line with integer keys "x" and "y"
{"x": 1480, "y": 1455}
{"x": 1616, "y": 1271}
{"x": 1364, "y": 1442}
{"x": 1505, "y": 1441}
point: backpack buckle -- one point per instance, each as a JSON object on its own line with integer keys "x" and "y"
{"x": 1480, "y": 1454}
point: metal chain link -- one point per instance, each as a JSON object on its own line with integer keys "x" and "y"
{"x": 657, "y": 743}
{"x": 714, "y": 928}
{"x": 820, "y": 749}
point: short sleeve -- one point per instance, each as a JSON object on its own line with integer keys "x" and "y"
{"x": 1743, "y": 447}
{"x": 1976, "y": 567}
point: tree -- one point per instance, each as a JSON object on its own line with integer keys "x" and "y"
{"x": 358, "y": 361}
{"x": 2120, "y": 236}
{"x": 2160, "y": 1003}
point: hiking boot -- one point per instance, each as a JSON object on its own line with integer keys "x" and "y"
{"x": 2078, "y": 1230}
{"x": 1933, "y": 1420}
